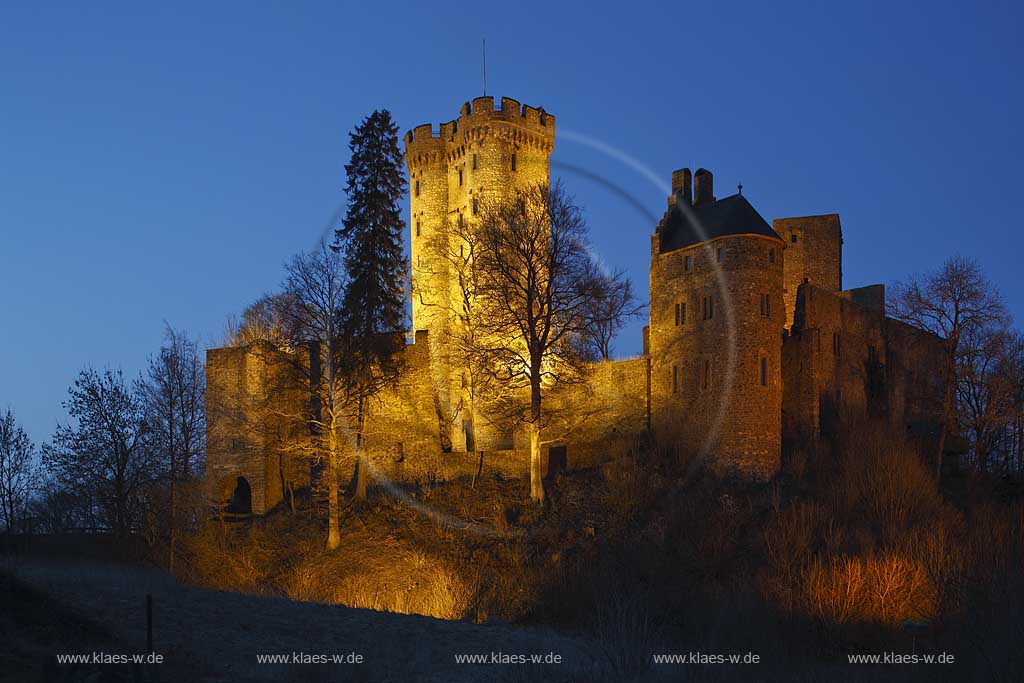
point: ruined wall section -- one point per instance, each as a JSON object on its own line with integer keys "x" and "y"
{"x": 814, "y": 255}
{"x": 697, "y": 395}
{"x": 254, "y": 412}
{"x": 844, "y": 359}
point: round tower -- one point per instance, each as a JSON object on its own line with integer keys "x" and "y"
{"x": 476, "y": 158}
{"x": 716, "y": 320}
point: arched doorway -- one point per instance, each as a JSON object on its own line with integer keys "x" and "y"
{"x": 241, "y": 498}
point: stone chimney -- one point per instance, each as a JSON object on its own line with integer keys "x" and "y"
{"x": 682, "y": 184}
{"x": 703, "y": 187}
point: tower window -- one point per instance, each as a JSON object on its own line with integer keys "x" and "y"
{"x": 766, "y": 306}
{"x": 792, "y": 238}
{"x": 417, "y": 228}
{"x": 718, "y": 255}
{"x": 417, "y": 188}
{"x": 675, "y": 379}
{"x": 513, "y": 161}
{"x": 682, "y": 314}
{"x": 707, "y": 374}
{"x": 677, "y": 314}
{"x": 771, "y": 256}
{"x": 474, "y": 162}
{"x": 836, "y": 344}
{"x": 460, "y": 177}
{"x": 709, "y": 308}
{"x": 764, "y": 372}
{"x": 476, "y": 206}
{"x": 688, "y": 263}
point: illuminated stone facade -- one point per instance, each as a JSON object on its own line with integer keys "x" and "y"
{"x": 750, "y": 337}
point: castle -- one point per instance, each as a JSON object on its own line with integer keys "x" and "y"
{"x": 751, "y": 337}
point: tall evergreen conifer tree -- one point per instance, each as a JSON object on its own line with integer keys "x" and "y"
{"x": 373, "y": 310}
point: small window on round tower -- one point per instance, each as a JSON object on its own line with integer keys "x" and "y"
{"x": 513, "y": 161}
{"x": 476, "y": 206}
{"x": 474, "y": 162}
{"x": 771, "y": 256}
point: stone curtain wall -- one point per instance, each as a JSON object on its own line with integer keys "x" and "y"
{"x": 689, "y": 361}
{"x": 816, "y": 255}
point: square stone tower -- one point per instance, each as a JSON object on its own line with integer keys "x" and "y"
{"x": 476, "y": 158}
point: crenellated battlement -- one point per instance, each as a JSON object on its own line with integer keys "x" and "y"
{"x": 512, "y": 122}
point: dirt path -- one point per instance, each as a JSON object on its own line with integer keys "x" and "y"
{"x": 222, "y": 633}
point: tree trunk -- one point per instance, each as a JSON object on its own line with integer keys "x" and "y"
{"x": 360, "y": 455}
{"x": 333, "y": 526}
{"x": 947, "y": 421}
{"x": 536, "y": 480}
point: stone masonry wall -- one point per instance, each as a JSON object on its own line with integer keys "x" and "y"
{"x": 814, "y": 254}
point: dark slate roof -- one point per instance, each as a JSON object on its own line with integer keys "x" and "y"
{"x": 727, "y": 216}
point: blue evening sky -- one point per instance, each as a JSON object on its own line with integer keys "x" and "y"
{"x": 159, "y": 164}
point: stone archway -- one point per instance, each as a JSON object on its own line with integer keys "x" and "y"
{"x": 240, "y": 502}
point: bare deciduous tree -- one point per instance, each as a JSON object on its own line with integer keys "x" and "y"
{"x": 173, "y": 393}
{"x": 612, "y": 305}
{"x": 18, "y": 475}
{"x": 103, "y": 452}
{"x": 311, "y": 312}
{"x": 953, "y": 302}
{"x": 535, "y": 282}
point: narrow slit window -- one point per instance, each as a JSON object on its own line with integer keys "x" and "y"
{"x": 417, "y": 188}
{"x": 417, "y": 228}
{"x": 771, "y": 256}
{"x": 764, "y": 372}
{"x": 513, "y": 161}
{"x": 460, "y": 177}
{"x": 707, "y": 374}
{"x": 677, "y": 314}
{"x": 476, "y": 206}
{"x": 682, "y": 316}
{"x": 688, "y": 263}
{"x": 675, "y": 379}
{"x": 474, "y": 162}
{"x": 718, "y": 255}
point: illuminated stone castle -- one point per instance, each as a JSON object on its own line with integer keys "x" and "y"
{"x": 751, "y": 337}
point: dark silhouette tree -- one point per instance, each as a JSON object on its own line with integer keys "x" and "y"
{"x": 173, "y": 392}
{"x": 953, "y": 302}
{"x": 18, "y": 475}
{"x": 102, "y": 453}
{"x": 373, "y": 311}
